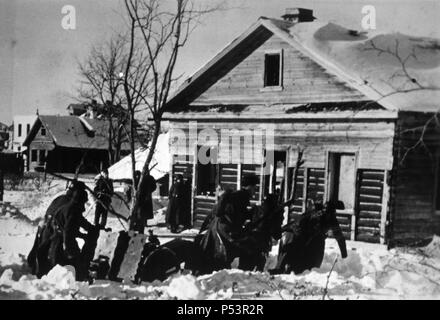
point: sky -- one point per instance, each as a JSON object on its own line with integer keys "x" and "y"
{"x": 38, "y": 57}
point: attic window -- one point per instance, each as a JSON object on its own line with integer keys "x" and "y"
{"x": 272, "y": 69}
{"x": 43, "y": 131}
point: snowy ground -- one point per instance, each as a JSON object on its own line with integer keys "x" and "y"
{"x": 369, "y": 272}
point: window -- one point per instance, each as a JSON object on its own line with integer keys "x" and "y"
{"x": 42, "y": 156}
{"x": 19, "y": 149}
{"x": 19, "y": 130}
{"x": 34, "y": 155}
{"x": 341, "y": 178}
{"x": 43, "y": 131}
{"x": 207, "y": 171}
{"x": 272, "y": 70}
{"x": 28, "y": 128}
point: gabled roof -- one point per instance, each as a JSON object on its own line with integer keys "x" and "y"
{"x": 74, "y": 132}
{"x": 345, "y": 53}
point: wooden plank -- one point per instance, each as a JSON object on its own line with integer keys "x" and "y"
{"x": 371, "y": 230}
{"x": 372, "y": 175}
{"x": 205, "y": 199}
{"x": 372, "y": 183}
{"x": 373, "y": 223}
{"x": 201, "y": 215}
{"x": 385, "y": 200}
{"x": 368, "y": 238}
{"x": 373, "y": 199}
{"x": 369, "y": 214}
{"x": 371, "y": 191}
{"x": 370, "y": 207}
{"x": 204, "y": 205}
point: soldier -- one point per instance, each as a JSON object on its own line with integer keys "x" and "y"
{"x": 55, "y": 242}
{"x": 304, "y": 243}
{"x": 265, "y": 226}
{"x": 103, "y": 191}
{"x": 178, "y": 214}
{"x": 228, "y": 224}
{"x": 144, "y": 210}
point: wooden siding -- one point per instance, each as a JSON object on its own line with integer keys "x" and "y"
{"x": 203, "y": 205}
{"x": 373, "y": 140}
{"x": 303, "y": 79}
{"x": 413, "y": 215}
{"x": 298, "y": 206}
{"x": 315, "y": 184}
{"x": 370, "y": 186}
{"x": 229, "y": 176}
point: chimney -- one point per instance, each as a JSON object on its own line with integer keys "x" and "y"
{"x": 296, "y": 15}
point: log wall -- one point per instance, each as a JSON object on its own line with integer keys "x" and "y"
{"x": 413, "y": 216}
{"x": 371, "y": 141}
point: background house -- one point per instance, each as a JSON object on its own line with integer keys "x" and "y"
{"x": 21, "y": 125}
{"x": 329, "y": 92}
{"x": 4, "y": 136}
{"x": 59, "y": 143}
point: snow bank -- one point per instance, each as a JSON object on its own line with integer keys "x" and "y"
{"x": 185, "y": 287}
{"x": 59, "y": 283}
{"x": 61, "y": 278}
{"x": 15, "y": 263}
{"x": 433, "y": 248}
{"x": 369, "y": 272}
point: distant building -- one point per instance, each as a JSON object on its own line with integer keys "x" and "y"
{"x": 58, "y": 143}
{"x": 22, "y": 125}
{"x": 4, "y": 136}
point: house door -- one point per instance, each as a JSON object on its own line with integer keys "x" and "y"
{"x": 342, "y": 179}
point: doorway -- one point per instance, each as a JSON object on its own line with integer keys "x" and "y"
{"x": 275, "y": 177}
{"x": 342, "y": 179}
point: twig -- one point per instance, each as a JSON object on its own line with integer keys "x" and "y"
{"x": 328, "y": 279}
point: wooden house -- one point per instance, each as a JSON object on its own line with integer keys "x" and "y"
{"x": 360, "y": 145}
{"x": 59, "y": 143}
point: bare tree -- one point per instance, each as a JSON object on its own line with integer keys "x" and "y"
{"x": 158, "y": 30}
{"x": 101, "y": 80}
{"x": 403, "y": 81}
{"x": 137, "y": 70}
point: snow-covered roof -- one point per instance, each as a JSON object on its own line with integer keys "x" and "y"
{"x": 399, "y": 71}
{"x": 403, "y": 70}
{"x": 160, "y": 164}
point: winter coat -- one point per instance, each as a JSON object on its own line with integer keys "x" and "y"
{"x": 178, "y": 211}
{"x": 144, "y": 210}
{"x": 55, "y": 242}
{"x": 226, "y": 226}
{"x": 303, "y": 244}
{"x": 104, "y": 189}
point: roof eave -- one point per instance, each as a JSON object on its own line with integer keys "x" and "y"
{"x": 341, "y": 115}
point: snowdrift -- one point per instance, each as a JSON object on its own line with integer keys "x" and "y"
{"x": 369, "y": 272}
